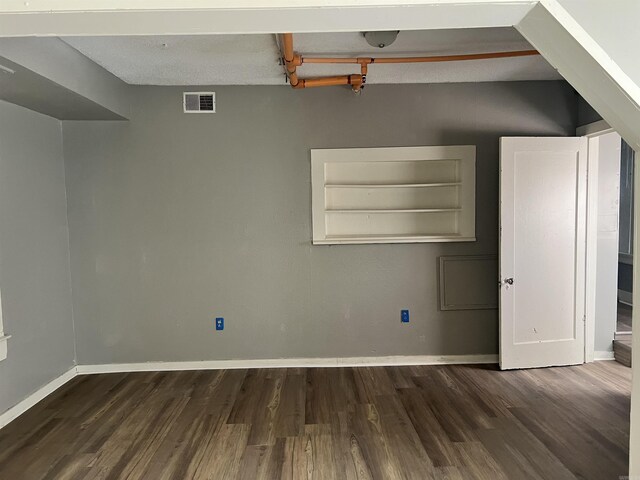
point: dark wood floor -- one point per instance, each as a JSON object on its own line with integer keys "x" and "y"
{"x": 354, "y": 423}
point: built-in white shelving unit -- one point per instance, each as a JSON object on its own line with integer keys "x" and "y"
{"x": 393, "y": 195}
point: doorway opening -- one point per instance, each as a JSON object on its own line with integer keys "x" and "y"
{"x": 622, "y": 336}
{"x": 610, "y": 228}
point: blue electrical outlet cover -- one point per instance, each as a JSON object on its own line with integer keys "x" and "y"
{"x": 404, "y": 316}
{"x": 219, "y": 323}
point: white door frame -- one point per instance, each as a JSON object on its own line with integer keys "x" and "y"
{"x": 592, "y": 131}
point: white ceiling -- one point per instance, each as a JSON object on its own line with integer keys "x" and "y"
{"x": 253, "y": 59}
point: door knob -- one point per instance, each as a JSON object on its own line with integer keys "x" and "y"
{"x": 508, "y": 281}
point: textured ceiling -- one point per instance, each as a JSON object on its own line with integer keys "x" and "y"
{"x": 253, "y": 59}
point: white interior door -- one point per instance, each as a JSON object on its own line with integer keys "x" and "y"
{"x": 543, "y": 185}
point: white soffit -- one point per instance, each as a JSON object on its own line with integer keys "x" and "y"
{"x": 253, "y": 59}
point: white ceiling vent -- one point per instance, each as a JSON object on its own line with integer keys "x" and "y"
{"x": 199, "y": 102}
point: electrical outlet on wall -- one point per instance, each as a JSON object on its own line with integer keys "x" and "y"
{"x": 219, "y": 323}
{"x": 404, "y": 316}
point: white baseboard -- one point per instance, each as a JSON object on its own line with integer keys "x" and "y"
{"x": 44, "y": 391}
{"x": 603, "y": 355}
{"x": 625, "y": 297}
{"x": 289, "y": 363}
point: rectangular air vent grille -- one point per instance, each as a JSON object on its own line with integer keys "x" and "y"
{"x": 199, "y": 102}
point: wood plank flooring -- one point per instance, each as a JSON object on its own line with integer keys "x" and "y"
{"x": 425, "y": 422}
{"x": 622, "y": 348}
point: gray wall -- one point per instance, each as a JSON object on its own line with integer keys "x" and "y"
{"x": 34, "y": 254}
{"x": 586, "y": 113}
{"x": 176, "y": 219}
{"x": 625, "y": 277}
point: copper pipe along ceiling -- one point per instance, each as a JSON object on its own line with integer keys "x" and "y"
{"x": 288, "y": 59}
{"x": 442, "y": 58}
{"x": 357, "y": 81}
{"x": 292, "y": 61}
{"x": 354, "y": 80}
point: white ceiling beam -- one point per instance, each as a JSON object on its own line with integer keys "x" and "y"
{"x": 586, "y": 66}
{"x": 191, "y": 17}
{"x": 31, "y": 6}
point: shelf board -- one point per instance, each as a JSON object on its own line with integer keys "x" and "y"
{"x": 393, "y": 210}
{"x": 393, "y": 195}
{"x": 392, "y": 185}
{"x": 416, "y": 238}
